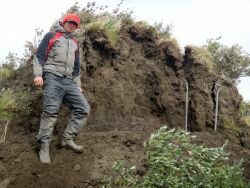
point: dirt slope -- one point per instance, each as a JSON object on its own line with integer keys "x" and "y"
{"x": 133, "y": 90}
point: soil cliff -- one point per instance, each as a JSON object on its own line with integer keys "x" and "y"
{"x": 133, "y": 89}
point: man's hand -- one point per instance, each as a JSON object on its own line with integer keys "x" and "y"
{"x": 38, "y": 81}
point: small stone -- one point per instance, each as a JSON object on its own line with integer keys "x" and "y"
{"x": 18, "y": 160}
{"x": 77, "y": 167}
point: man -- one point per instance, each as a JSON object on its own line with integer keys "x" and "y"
{"x": 57, "y": 70}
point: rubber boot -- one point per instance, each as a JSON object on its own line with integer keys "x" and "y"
{"x": 70, "y": 144}
{"x": 44, "y": 153}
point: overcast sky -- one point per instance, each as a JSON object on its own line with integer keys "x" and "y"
{"x": 194, "y": 21}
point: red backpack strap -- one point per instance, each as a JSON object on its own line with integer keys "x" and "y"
{"x": 52, "y": 41}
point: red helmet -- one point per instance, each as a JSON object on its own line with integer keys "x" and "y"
{"x": 71, "y": 17}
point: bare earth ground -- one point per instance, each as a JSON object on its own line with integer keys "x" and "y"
{"x": 20, "y": 164}
{"x": 19, "y": 161}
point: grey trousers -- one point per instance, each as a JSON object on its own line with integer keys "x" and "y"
{"x": 56, "y": 90}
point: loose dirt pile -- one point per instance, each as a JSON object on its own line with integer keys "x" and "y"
{"x": 133, "y": 90}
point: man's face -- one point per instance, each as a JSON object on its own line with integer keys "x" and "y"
{"x": 70, "y": 26}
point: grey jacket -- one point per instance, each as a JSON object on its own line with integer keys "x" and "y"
{"x": 62, "y": 59}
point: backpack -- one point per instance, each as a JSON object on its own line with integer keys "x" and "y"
{"x": 56, "y": 36}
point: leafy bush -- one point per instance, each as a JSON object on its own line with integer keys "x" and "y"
{"x": 173, "y": 161}
{"x": 231, "y": 62}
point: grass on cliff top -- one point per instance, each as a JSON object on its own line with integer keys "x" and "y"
{"x": 100, "y": 18}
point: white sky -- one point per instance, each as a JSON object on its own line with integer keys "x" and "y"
{"x": 194, "y": 21}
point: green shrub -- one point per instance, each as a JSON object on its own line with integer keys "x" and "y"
{"x": 5, "y": 73}
{"x": 232, "y": 62}
{"x": 14, "y": 103}
{"x": 174, "y": 162}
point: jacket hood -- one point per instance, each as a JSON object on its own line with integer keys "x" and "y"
{"x": 57, "y": 27}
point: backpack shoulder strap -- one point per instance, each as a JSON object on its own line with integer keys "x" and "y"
{"x": 56, "y": 36}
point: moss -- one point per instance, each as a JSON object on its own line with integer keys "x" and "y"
{"x": 229, "y": 123}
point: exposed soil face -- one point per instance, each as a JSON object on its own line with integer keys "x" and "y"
{"x": 133, "y": 90}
